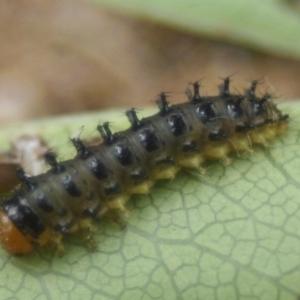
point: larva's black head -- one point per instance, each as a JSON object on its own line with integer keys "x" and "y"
{"x": 23, "y": 216}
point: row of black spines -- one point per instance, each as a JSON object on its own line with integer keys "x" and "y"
{"x": 176, "y": 124}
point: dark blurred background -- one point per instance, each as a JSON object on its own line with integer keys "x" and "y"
{"x": 59, "y": 57}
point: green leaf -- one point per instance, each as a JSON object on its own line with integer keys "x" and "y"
{"x": 269, "y": 26}
{"x": 231, "y": 234}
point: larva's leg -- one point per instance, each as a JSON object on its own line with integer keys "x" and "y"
{"x": 202, "y": 170}
{"x": 227, "y": 160}
{"x": 87, "y": 229}
{"x": 119, "y": 203}
{"x": 113, "y": 216}
{"x": 89, "y": 239}
{"x": 56, "y": 239}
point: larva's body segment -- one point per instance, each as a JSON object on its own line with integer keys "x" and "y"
{"x": 73, "y": 193}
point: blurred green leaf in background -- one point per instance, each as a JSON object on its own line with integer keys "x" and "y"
{"x": 269, "y": 26}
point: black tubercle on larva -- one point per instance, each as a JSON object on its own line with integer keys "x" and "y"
{"x": 123, "y": 154}
{"x": 149, "y": 140}
{"x": 70, "y": 186}
{"x": 234, "y": 107}
{"x": 206, "y": 112}
{"x": 44, "y": 203}
{"x": 177, "y": 125}
{"x": 103, "y": 177}
{"x": 98, "y": 168}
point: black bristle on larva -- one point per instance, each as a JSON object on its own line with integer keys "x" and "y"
{"x": 82, "y": 151}
{"x": 106, "y": 133}
{"x": 251, "y": 91}
{"x": 100, "y": 179}
{"x": 195, "y": 97}
{"x": 163, "y": 104}
{"x": 225, "y": 87}
{"x": 51, "y": 160}
{"x": 133, "y": 119}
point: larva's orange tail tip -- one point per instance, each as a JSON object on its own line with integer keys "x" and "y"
{"x": 12, "y": 240}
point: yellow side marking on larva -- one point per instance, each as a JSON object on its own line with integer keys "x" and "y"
{"x": 281, "y": 127}
{"x": 119, "y": 203}
{"x": 168, "y": 173}
{"x": 216, "y": 150}
{"x": 143, "y": 188}
{"x": 192, "y": 162}
{"x": 241, "y": 143}
{"x": 87, "y": 223}
{"x": 258, "y": 138}
{"x": 269, "y": 132}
